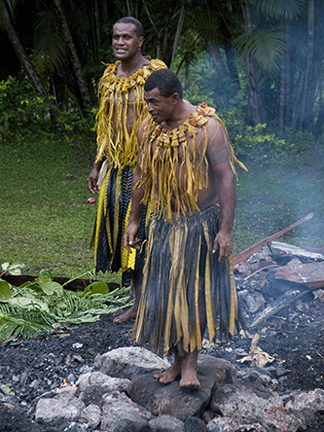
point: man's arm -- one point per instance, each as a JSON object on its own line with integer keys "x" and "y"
{"x": 135, "y": 215}
{"x": 93, "y": 177}
{"x": 218, "y": 157}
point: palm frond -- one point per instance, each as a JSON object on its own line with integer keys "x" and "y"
{"x": 287, "y": 10}
{"x": 205, "y": 26}
{"x": 16, "y": 321}
{"x": 49, "y": 42}
{"x": 266, "y": 46}
{"x": 27, "y": 318}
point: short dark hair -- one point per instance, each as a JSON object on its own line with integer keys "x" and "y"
{"x": 130, "y": 20}
{"x": 166, "y": 81}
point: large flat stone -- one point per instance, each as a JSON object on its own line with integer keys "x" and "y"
{"x": 182, "y": 403}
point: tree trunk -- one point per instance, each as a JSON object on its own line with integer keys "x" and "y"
{"x": 320, "y": 119}
{"x": 284, "y": 96}
{"x": 308, "y": 72}
{"x": 254, "y": 96}
{"x": 177, "y": 36}
{"x": 288, "y": 114}
{"x": 75, "y": 59}
{"x": 24, "y": 59}
{"x": 97, "y": 26}
{"x": 216, "y": 57}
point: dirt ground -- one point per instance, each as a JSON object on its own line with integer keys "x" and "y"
{"x": 29, "y": 368}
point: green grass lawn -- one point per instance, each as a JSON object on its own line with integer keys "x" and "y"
{"x": 46, "y": 221}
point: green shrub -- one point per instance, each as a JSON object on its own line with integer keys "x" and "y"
{"x": 22, "y": 109}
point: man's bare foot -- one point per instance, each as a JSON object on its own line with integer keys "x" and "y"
{"x": 189, "y": 377}
{"x": 127, "y": 315}
{"x": 170, "y": 374}
{"x": 121, "y": 311}
{"x": 189, "y": 381}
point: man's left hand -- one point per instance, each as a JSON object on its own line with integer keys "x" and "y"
{"x": 130, "y": 235}
{"x": 224, "y": 243}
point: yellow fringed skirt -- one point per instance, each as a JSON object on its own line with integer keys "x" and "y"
{"x": 178, "y": 255}
{"x": 112, "y": 220}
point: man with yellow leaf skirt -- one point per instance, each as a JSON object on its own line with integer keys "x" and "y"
{"x": 121, "y": 110}
{"x": 185, "y": 168}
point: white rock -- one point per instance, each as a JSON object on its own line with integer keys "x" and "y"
{"x": 101, "y": 379}
{"x": 129, "y": 362}
{"x": 308, "y": 402}
{"x": 222, "y": 424}
{"x": 114, "y": 406}
{"x": 242, "y": 403}
{"x": 92, "y": 415}
{"x": 64, "y": 407}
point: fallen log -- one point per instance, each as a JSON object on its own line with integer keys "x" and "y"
{"x": 77, "y": 284}
{"x": 241, "y": 256}
{"x": 277, "y": 305}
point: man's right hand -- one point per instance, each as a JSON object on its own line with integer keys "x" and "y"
{"x": 92, "y": 180}
{"x": 129, "y": 236}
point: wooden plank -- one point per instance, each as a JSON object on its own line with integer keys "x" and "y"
{"x": 241, "y": 256}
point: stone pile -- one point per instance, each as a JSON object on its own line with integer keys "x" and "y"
{"x": 119, "y": 394}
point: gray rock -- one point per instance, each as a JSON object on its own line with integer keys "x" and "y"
{"x": 308, "y": 402}
{"x": 76, "y": 427}
{"x": 114, "y": 405}
{"x": 63, "y": 407}
{"x": 255, "y": 406}
{"x": 242, "y": 403}
{"x": 225, "y": 424}
{"x": 130, "y": 421}
{"x": 93, "y": 394}
{"x": 208, "y": 415}
{"x": 129, "y": 362}
{"x": 280, "y": 418}
{"x": 166, "y": 423}
{"x": 35, "y": 383}
{"x": 85, "y": 369}
{"x": 103, "y": 380}
{"x": 252, "y": 300}
{"x": 194, "y": 424}
{"x": 256, "y": 376}
{"x": 92, "y": 415}
{"x": 222, "y": 424}
{"x": 255, "y": 427}
{"x": 182, "y": 403}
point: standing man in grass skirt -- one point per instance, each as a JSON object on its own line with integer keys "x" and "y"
{"x": 185, "y": 168}
{"x": 121, "y": 110}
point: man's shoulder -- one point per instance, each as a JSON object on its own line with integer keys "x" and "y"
{"x": 148, "y": 125}
{"x": 110, "y": 68}
{"x": 203, "y": 115}
{"x": 156, "y": 64}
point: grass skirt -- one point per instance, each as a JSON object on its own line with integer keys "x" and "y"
{"x": 111, "y": 223}
{"x": 178, "y": 254}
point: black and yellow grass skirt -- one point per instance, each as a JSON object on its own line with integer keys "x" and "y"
{"x": 112, "y": 220}
{"x": 177, "y": 253}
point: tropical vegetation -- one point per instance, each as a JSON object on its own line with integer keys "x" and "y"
{"x": 259, "y": 62}
{"x": 44, "y": 305}
{"x": 264, "y": 56}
